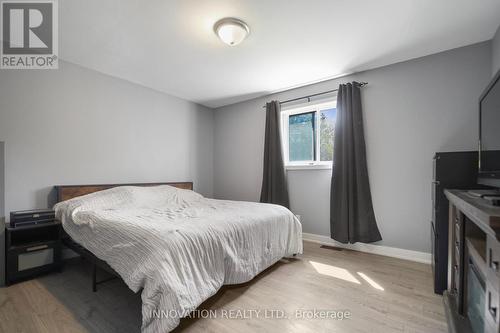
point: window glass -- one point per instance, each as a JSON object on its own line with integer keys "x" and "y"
{"x": 308, "y": 133}
{"x": 327, "y": 129}
{"x": 302, "y": 137}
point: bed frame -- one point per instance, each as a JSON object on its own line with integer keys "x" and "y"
{"x": 66, "y": 192}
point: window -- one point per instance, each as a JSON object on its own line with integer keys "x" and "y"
{"x": 308, "y": 135}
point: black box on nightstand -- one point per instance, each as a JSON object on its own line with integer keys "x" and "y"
{"x": 29, "y": 217}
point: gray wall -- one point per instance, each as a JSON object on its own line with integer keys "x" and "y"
{"x": 411, "y": 110}
{"x": 75, "y": 125}
{"x": 2, "y": 216}
{"x": 496, "y": 52}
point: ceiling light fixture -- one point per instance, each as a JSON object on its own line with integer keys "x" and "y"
{"x": 231, "y": 31}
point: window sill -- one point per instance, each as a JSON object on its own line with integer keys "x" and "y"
{"x": 309, "y": 167}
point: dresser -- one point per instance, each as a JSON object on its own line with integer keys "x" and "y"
{"x": 472, "y": 300}
{"x": 456, "y": 170}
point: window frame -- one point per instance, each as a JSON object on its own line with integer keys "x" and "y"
{"x": 300, "y": 109}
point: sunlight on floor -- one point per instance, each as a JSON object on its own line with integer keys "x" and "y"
{"x": 343, "y": 274}
{"x": 333, "y": 271}
{"x": 370, "y": 281}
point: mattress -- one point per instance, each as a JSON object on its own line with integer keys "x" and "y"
{"x": 178, "y": 246}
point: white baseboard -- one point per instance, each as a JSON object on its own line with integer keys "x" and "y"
{"x": 422, "y": 257}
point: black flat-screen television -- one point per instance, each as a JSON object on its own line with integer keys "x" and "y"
{"x": 489, "y": 134}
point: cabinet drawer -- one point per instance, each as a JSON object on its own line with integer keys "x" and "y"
{"x": 35, "y": 258}
{"x": 493, "y": 257}
{"x": 491, "y": 309}
{"x": 27, "y": 261}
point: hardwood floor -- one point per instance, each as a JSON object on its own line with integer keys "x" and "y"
{"x": 382, "y": 294}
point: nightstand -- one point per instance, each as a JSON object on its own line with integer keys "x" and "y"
{"x": 32, "y": 250}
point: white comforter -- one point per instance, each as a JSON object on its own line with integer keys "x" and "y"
{"x": 177, "y": 245}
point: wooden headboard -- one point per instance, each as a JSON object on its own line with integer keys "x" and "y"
{"x": 66, "y": 192}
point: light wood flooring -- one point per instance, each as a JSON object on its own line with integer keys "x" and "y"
{"x": 382, "y": 294}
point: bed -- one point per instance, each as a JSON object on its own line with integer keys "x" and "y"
{"x": 174, "y": 244}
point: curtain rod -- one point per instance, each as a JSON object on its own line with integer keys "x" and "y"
{"x": 361, "y": 84}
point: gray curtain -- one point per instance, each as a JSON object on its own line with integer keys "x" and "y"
{"x": 274, "y": 186}
{"x": 351, "y": 212}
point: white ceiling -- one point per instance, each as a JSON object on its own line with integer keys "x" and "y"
{"x": 169, "y": 45}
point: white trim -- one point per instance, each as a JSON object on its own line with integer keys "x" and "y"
{"x": 417, "y": 256}
{"x": 310, "y": 107}
{"x": 309, "y": 167}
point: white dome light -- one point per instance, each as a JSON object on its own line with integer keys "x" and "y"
{"x": 231, "y": 30}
